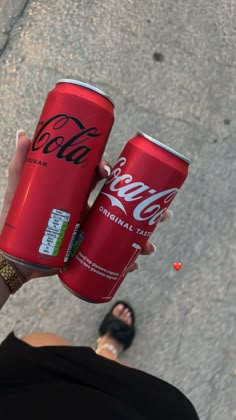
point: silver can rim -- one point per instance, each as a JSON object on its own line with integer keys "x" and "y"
{"x": 88, "y": 86}
{"x": 164, "y": 146}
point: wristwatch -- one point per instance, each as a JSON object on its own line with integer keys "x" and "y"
{"x": 9, "y": 273}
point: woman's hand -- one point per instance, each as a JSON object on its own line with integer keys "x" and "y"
{"x": 14, "y": 172}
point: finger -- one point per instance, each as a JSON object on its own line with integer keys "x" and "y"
{"x": 149, "y": 248}
{"x": 14, "y": 171}
{"x": 17, "y": 163}
{"x": 104, "y": 170}
{"x": 85, "y": 212}
{"x": 167, "y": 215}
{"x": 134, "y": 267}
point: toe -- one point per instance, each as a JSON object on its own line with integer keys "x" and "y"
{"x": 123, "y": 313}
{"x": 129, "y": 319}
{"x": 118, "y": 310}
{"x": 126, "y": 316}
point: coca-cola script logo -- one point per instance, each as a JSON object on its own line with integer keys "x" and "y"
{"x": 66, "y": 136}
{"x": 148, "y": 205}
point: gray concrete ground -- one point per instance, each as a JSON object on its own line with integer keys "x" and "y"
{"x": 10, "y": 12}
{"x": 187, "y": 97}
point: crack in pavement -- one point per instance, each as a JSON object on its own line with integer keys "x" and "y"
{"x": 10, "y": 13}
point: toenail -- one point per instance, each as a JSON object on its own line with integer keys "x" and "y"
{"x": 120, "y": 307}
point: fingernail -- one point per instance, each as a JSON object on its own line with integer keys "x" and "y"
{"x": 154, "y": 248}
{"x": 169, "y": 215}
{"x": 107, "y": 169}
{"x": 19, "y": 133}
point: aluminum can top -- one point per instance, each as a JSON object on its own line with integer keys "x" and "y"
{"x": 158, "y": 143}
{"x": 87, "y": 86}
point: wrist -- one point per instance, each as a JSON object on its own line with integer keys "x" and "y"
{"x": 4, "y": 292}
{"x": 12, "y": 275}
{"x": 22, "y": 270}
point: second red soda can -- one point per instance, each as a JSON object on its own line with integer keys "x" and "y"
{"x": 56, "y": 180}
{"x": 141, "y": 187}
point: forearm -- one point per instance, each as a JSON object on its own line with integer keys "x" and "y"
{"x": 4, "y": 292}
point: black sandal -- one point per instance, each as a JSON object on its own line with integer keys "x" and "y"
{"x": 117, "y": 328}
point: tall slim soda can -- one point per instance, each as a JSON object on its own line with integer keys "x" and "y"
{"x": 141, "y": 187}
{"x": 55, "y": 183}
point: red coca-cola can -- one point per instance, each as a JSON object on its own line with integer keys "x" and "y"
{"x": 67, "y": 146}
{"x": 141, "y": 187}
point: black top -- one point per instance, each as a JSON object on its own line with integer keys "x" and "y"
{"x": 61, "y": 383}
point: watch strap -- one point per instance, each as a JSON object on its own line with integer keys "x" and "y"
{"x": 9, "y": 273}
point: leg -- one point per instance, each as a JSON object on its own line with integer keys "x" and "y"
{"x": 113, "y": 347}
{"x": 44, "y": 339}
{"x": 48, "y": 339}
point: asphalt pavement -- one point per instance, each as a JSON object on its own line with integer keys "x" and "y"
{"x": 170, "y": 68}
